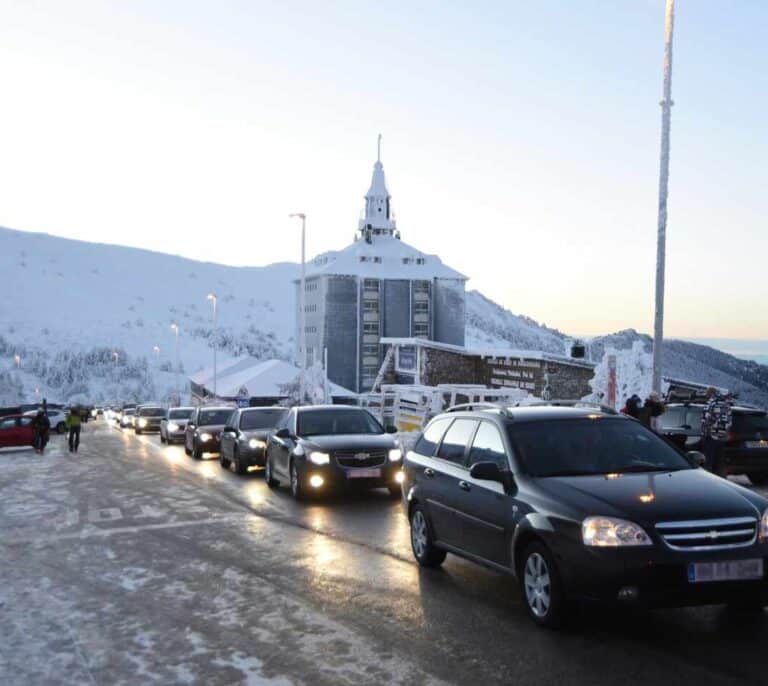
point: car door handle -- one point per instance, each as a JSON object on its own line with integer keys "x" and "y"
{"x": 429, "y": 472}
{"x": 464, "y": 486}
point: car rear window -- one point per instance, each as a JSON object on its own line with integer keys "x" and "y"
{"x": 672, "y": 418}
{"x": 179, "y": 414}
{"x": 261, "y": 419}
{"x": 427, "y": 443}
{"x": 750, "y": 423}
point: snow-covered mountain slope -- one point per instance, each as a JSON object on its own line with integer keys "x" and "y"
{"x": 68, "y": 305}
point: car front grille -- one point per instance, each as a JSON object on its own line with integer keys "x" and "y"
{"x": 360, "y": 458}
{"x": 709, "y": 534}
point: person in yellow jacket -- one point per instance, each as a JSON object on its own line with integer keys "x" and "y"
{"x": 74, "y": 421}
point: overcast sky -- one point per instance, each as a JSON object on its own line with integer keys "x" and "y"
{"x": 520, "y": 141}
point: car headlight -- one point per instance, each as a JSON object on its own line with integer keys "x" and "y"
{"x": 172, "y": 426}
{"x": 142, "y": 422}
{"x": 316, "y": 457}
{"x": 607, "y": 532}
{"x": 395, "y": 455}
{"x": 205, "y": 437}
{"x": 764, "y": 527}
{"x": 255, "y": 443}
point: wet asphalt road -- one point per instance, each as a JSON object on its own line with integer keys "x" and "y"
{"x": 133, "y": 563}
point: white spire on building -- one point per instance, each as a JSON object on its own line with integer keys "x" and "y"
{"x": 378, "y": 218}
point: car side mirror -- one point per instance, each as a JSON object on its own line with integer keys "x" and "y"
{"x": 283, "y": 433}
{"x": 489, "y": 471}
{"x": 696, "y": 458}
{"x": 191, "y": 425}
{"x": 391, "y": 429}
{"x": 230, "y": 430}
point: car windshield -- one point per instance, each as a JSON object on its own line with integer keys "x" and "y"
{"x": 152, "y": 412}
{"x": 261, "y": 419}
{"x": 337, "y": 422}
{"x": 211, "y": 417}
{"x": 130, "y": 410}
{"x": 575, "y": 447}
{"x": 750, "y": 423}
{"x": 179, "y": 414}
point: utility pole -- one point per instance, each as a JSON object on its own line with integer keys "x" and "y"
{"x": 302, "y": 308}
{"x": 214, "y": 301}
{"x": 175, "y": 328}
{"x": 661, "y": 244}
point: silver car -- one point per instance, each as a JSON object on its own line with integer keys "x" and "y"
{"x": 174, "y": 424}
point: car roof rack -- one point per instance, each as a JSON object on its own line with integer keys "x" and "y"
{"x": 605, "y": 409}
{"x": 471, "y": 407}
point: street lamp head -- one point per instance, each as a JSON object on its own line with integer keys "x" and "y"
{"x": 175, "y": 327}
{"x": 300, "y": 215}
{"x": 212, "y": 296}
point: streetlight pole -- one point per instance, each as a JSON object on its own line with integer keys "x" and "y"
{"x": 214, "y": 301}
{"x": 175, "y": 328}
{"x": 661, "y": 241}
{"x": 302, "y": 307}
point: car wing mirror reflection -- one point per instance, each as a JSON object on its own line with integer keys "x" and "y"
{"x": 696, "y": 458}
{"x": 490, "y": 471}
{"x": 283, "y": 434}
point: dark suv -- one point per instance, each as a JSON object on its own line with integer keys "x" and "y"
{"x": 746, "y": 447}
{"x": 580, "y": 504}
{"x": 322, "y": 447}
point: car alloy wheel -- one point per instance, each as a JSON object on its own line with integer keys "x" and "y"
{"x": 541, "y": 587}
{"x": 268, "y": 476}
{"x": 424, "y": 550}
{"x": 296, "y": 490}
{"x": 537, "y": 585}
{"x": 240, "y": 466}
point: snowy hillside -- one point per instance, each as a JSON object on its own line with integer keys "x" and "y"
{"x": 70, "y": 305}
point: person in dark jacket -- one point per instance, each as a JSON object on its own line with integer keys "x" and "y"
{"x": 716, "y": 424}
{"x": 632, "y": 406}
{"x": 651, "y": 411}
{"x": 74, "y": 422}
{"x": 41, "y": 428}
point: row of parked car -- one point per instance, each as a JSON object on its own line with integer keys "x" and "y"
{"x": 578, "y": 503}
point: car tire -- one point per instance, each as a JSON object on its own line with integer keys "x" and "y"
{"x": 197, "y": 451}
{"x": 297, "y": 491}
{"x": 427, "y": 554}
{"x": 137, "y": 432}
{"x": 395, "y": 492}
{"x": 186, "y": 448}
{"x": 162, "y": 438}
{"x": 223, "y": 461}
{"x": 541, "y": 587}
{"x": 61, "y": 427}
{"x": 240, "y": 467}
{"x": 269, "y": 476}
{"x": 758, "y": 479}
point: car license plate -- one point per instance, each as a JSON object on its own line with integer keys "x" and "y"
{"x": 734, "y": 570}
{"x": 364, "y": 474}
{"x": 756, "y": 444}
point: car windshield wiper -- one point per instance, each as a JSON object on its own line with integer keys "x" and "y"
{"x": 567, "y": 472}
{"x": 640, "y": 467}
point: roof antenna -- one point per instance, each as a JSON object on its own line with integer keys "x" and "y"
{"x": 378, "y": 149}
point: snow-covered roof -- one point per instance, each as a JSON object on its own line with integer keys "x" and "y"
{"x": 489, "y": 352}
{"x": 385, "y": 257}
{"x": 261, "y": 379}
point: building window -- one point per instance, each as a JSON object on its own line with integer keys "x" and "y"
{"x": 421, "y": 286}
{"x": 421, "y": 330}
{"x": 421, "y": 307}
{"x": 371, "y": 327}
{"x": 420, "y": 260}
{"x": 371, "y": 305}
{"x": 370, "y": 349}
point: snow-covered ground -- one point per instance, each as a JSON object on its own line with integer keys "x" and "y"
{"x": 74, "y": 304}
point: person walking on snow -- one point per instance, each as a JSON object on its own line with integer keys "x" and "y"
{"x": 74, "y": 421}
{"x": 651, "y": 412}
{"x": 716, "y": 423}
{"x": 41, "y": 427}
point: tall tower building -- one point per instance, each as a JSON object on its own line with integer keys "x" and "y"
{"x": 377, "y": 287}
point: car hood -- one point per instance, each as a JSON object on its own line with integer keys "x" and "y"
{"x": 656, "y": 496}
{"x": 260, "y": 434}
{"x": 350, "y": 442}
{"x": 211, "y": 428}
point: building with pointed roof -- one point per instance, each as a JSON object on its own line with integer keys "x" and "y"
{"x": 379, "y": 286}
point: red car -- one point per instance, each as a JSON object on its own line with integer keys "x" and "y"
{"x": 15, "y": 430}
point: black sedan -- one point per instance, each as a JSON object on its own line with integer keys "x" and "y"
{"x": 203, "y": 431}
{"x": 317, "y": 449}
{"x": 245, "y": 437}
{"x": 583, "y": 505}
